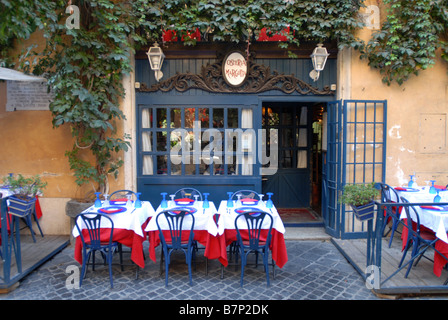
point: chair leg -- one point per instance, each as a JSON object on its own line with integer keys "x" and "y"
{"x": 109, "y": 259}
{"x": 120, "y": 252}
{"x": 37, "y": 223}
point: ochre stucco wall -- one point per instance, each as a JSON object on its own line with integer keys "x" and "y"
{"x": 407, "y": 104}
{"x": 30, "y": 145}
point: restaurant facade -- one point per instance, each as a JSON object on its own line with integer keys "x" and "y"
{"x": 219, "y": 122}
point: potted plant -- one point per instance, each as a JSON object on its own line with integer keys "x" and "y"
{"x": 24, "y": 192}
{"x": 360, "y": 197}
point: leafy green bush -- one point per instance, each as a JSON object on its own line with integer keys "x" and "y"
{"x": 25, "y": 188}
{"x": 358, "y": 194}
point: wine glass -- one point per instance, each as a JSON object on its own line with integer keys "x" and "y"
{"x": 106, "y": 201}
{"x": 205, "y": 204}
{"x": 164, "y": 204}
{"x": 97, "y": 200}
{"x": 437, "y": 198}
{"x": 138, "y": 203}
{"x": 411, "y": 182}
{"x": 128, "y": 201}
{"x": 432, "y": 189}
{"x": 269, "y": 203}
{"x": 172, "y": 200}
{"x": 229, "y": 201}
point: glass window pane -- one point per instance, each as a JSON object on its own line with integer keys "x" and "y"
{"x": 148, "y": 165}
{"x": 302, "y": 138}
{"x": 204, "y": 117}
{"x": 162, "y": 164}
{"x": 176, "y": 118}
{"x": 190, "y": 169}
{"x": 232, "y": 118}
{"x": 218, "y": 118}
{"x": 161, "y": 118}
{"x": 146, "y": 141}
{"x": 189, "y": 117}
{"x": 301, "y": 159}
{"x": 147, "y": 118}
{"x": 161, "y": 141}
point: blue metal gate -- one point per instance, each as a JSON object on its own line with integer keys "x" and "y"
{"x": 356, "y": 153}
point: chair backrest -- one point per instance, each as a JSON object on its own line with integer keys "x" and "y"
{"x": 187, "y": 193}
{"x": 255, "y": 224}
{"x": 248, "y": 194}
{"x": 386, "y": 193}
{"x": 92, "y": 223}
{"x": 413, "y": 226}
{"x": 123, "y": 194}
{"x": 175, "y": 219}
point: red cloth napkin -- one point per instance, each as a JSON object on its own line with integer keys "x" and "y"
{"x": 184, "y": 200}
{"x": 111, "y": 210}
{"x": 430, "y": 207}
{"x": 440, "y": 187}
{"x": 400, "y": 189}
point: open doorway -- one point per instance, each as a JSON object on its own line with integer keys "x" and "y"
{"x": 297, "y": 183}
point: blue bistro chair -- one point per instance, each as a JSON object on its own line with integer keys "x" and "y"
{"x": 187, "y": 193}
{"x": 176, "y": 218}
{"x": 254, "y": 244}
{"x": 249, "y": 194}
{"x": 92, "y": 222}
{"x": 419, "y": 238}
{"x": 122, "y": 194}
{"x": 392, "y": 213}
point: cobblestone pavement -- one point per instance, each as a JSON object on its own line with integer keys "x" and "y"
{"x": 316, "y": 270}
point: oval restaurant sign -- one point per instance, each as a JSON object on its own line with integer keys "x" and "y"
{"x": 234, "y": 69}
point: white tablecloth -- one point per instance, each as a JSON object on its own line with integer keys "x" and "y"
{"x": 228, "y": 216}
{"x": 437, "y": 221}
{"x": 203, "y": 218}
{"x": 131, "y": 219}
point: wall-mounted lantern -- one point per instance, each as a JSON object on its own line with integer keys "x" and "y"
{"x": 319, "y": 58}
{"x": 156, "y": 57}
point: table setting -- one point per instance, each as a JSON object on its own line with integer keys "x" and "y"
{"x": 432, "y": 215}
{"x": 228, "y": 211}
{"x": 204, "y": 230}
{"x": 129, "y": 218}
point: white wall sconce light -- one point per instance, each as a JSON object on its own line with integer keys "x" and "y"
{"x": 319, "y": 58}
{"x": 156, "y": 57}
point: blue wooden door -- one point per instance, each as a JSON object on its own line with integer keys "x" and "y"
{"x": 331, "y": 169}
{"x": 356, "y": 153}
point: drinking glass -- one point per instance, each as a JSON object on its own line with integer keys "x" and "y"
{"x": 97, "y": 200}
{"x": 269, "y": 203}
{"x": 411, "y": 182}
{"x": 230, "y": 202}
{"x": 164, "y": 204}
{"x": 205, "y": 204}
{"x": 432, "y": 189}
{"x": 138, "y": 203}
{"x": 437, "y": 198}
{"x": 106, "y": 201}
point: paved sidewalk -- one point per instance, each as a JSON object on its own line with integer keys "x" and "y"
{"x": 316, "y": 270}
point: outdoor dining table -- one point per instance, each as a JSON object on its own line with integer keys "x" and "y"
{"x": 205, "y": 229}
{"x": 228, "y": 233}
{"x": 431, "y": 216}
{"x": 129, "y": 226}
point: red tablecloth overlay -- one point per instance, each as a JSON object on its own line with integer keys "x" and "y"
{"x": 216, "y": 246}
{"x": 126, "y": 237}
{"x": 440, "y": 246}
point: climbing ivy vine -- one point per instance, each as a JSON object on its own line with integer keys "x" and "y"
{"x": 85, "y": 66}
{"x": 408, "y": 39}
